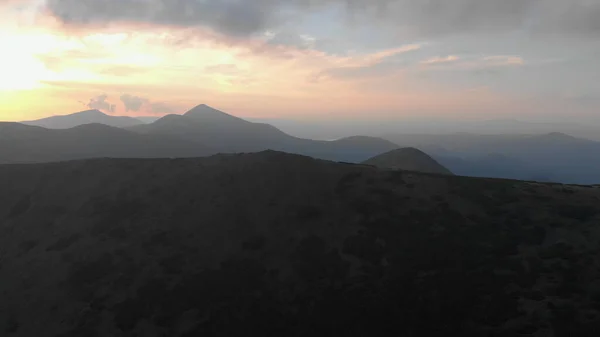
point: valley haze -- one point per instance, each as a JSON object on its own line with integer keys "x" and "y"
{"x": 541, "y": 155}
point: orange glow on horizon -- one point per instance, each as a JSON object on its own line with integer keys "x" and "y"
{"x": 52, "y": 71}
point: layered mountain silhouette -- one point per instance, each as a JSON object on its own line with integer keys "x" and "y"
{"x": 552, "y": 156}
{"x": 199, "y": 132}
{"x": 273, "y": 244}
{"x": 29, "y": 144}
{"x": 216, "y": 129}
{"x": 556, "y": 156}
{"x": 409, "y": 159}
{"x": 229, "y": 134}
{"x": 84, "y": 117}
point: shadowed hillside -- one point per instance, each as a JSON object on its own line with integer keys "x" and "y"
{"x": 30, "y": 144}
{"x": 409, "y": 159}
{"x": 272, "y": 244}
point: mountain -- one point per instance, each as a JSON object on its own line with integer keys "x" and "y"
{"x": 559, "y": 156}
{"x": 216, "y": 129}
{"x": 409, "y": 159}
{"x": 84, "y": 117}
{"x": 201, "y": 131}
{"x": 29, "y": 144}
{"x": 147, "y": 119}
{"x": 329, "y": 128}
{"x": 272, "y": 244}
{"x": 229, "y": 134}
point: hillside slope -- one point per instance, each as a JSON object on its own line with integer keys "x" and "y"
{"x": 409, "y": 159}
{"x": 272, "y": 244}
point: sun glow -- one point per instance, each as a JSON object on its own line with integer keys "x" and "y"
{"x": 19, "y": 67}
{"x": 19, "y": 72}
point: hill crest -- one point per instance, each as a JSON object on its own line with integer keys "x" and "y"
{"x": 410, "y": 159}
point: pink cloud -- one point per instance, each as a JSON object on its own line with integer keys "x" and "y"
{"x": 441, "y": 60}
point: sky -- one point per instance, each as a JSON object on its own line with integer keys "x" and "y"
{"x": 303, "y": 59}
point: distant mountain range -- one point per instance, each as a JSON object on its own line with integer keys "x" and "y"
{"x": 84, "y": 117}
{"x": 408, "y": 159}
{"x": 199, "y": 132}
{"x": 30, "y": 144}
{"x": 203, "y": 130}
{"x": 547, "y": 157}
{"x": 328, "y": 128}
{"x": 229, "y": 134}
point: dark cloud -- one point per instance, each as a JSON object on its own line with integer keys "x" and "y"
{"x": 230, "y": 17}
{"x": 100, "y": 103}
{"x": 241, "y": 18}
{"x": 133, "y": 103}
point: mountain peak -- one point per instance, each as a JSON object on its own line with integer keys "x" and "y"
{"x": 92, "y": 112}
{"x": 210, "y": 114}
{"x": 203, "y": 109}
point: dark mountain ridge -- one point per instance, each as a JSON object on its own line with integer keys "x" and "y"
{"x": 30, "y": 144}
{"x": 272, "y": 244}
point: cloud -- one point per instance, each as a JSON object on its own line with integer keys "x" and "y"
{"x": 419, "y": 17}
{"x": 357, "y": 72}
{"x": 472, "y": 62}
{"x": 501, "y": 60}
{"x": 235, "y": 18}
{"x": 384, "y": 64}
{"x": 100, "y": 103}
{"x": 441, "y": 60}
{"x": 379, "y": 64}
{"x": 133, "y": 103}
{"x": 138, "y": 103}
{"x": 292, "y": 39}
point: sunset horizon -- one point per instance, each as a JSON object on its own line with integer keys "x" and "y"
{"x": 292, "y": 60}
{"x": 301, "y": 168}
